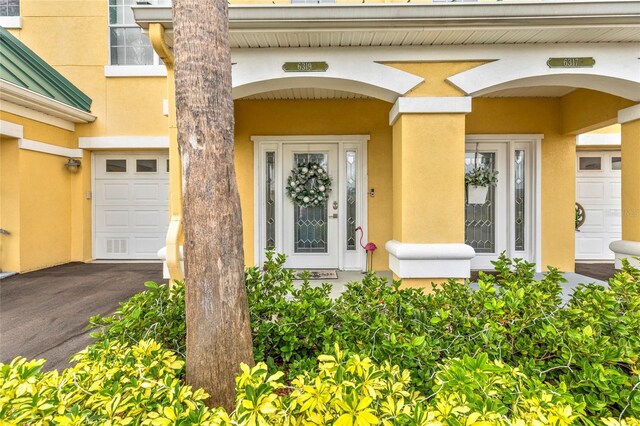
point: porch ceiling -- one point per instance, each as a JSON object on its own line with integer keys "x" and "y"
{"x": 305, "y": 93}
{"x": 343, "y": 25}
{"x": 315, "y": 93}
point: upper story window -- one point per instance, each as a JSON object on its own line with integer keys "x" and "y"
{"x": 9, "y": 7}
{"x": 128, "y": 46}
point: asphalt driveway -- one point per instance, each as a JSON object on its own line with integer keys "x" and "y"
{"x": 43, "y": 314}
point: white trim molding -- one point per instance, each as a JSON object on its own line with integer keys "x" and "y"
{"x": 29, "y": 104}
{"x": 11, "y": 22}
{"x": 408, "y": 260}
{"x": 48, "y": 148}
{"x": 124, "y": 142}
{"x": 135, "y": 71}
{"x": 625, "y": 249}
{"x": 10, "y": 130}
{"x": 614, "y": 71}
{"x": 629, "y": 114}
{"x": 429, "y": 105}
{"x": 312, "y": 138}
{"x": 344, "y": 72}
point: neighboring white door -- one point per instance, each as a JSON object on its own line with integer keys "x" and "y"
{"x": 311, "y": 233}
{"x": 131, "y": 205}
{"x": 598, "y": 190}
{"x": 504, "y": 223}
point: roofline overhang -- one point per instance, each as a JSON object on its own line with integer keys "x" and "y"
{"x": 585, "y": 13}
{"x": 10, "y": 92}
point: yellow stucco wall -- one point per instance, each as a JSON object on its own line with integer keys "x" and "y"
{"x": 45, "y": 210}
{"x": 42, "y": 202}
{"x": 435, "y": 76}
{"x": 584, "y": 110}
{"x": 428, "y": 167}
{"x": 124, "y": 106}
{"x": 72, "y": 36}
{"x": 319, "y": 117}
{"x": 631, "y": 181}
{"x": 532, "y": 116}
{"x": 9, "y": 198}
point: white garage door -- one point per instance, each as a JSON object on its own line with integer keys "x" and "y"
{"x": 598, "y": 190}
{"x": 131, "y": 205}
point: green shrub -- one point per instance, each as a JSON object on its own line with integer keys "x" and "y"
{"x": 290, "y": 325}
{"x": 590, "y": 346}
{"x": 157, "y": 313}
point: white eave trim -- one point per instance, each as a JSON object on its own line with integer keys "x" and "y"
{"x": 629, "y": 114}
{"x": 29, "y": 99}
{"x": 384, "y": 15}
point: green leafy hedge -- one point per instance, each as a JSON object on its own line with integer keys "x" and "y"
{"x": 506, "y": 353}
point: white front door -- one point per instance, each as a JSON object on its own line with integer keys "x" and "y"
{"x": 504, "y": 223}
{"x": 311, "y": 233}
{"x": 320, "y": 236}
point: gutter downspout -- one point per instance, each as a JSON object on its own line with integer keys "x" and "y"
{"x": 175, "y": 232}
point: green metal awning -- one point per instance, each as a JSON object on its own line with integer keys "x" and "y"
{"x": 19, "y": 65}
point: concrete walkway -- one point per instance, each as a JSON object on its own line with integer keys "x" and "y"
{"x": 44, "y": 314}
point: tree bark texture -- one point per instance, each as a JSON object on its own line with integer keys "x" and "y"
{"x": 218, "y": 329}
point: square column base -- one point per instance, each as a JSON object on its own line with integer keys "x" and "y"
{"x": 625, "y": 249}
{"x": 431, "y": 261}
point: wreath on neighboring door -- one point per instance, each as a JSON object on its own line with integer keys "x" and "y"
{"x": 309, "y": 185}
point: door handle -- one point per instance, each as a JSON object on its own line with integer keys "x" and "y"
{"x": 4, "y": 232}
{"x": 334, "y": 216}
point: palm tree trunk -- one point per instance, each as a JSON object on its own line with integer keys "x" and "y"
{"x": 218, "y": 331}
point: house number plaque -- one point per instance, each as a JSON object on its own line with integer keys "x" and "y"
{"x": 571, "y": 62}
{"x": 305, "y": 66}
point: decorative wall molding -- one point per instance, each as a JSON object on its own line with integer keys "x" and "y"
{"x": 429, "y": 105}
{"x": 48, "y": 148}
{"x": 361, "y": 75}
{"x": 408, "y": 260}
{"x": 629, "y": 114}
{"x": 10, "y": 130}
{"x": 124, "y": 142}
{"x": 614, "y": 72}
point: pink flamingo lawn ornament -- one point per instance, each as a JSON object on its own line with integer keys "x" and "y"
{"x": 369, "y": 247}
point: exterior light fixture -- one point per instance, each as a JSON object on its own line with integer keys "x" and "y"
{"x": 73, "y": 165}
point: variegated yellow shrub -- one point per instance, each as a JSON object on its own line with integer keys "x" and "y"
{"x": 111, "y": 384}
{"x": 115, "y": 384}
